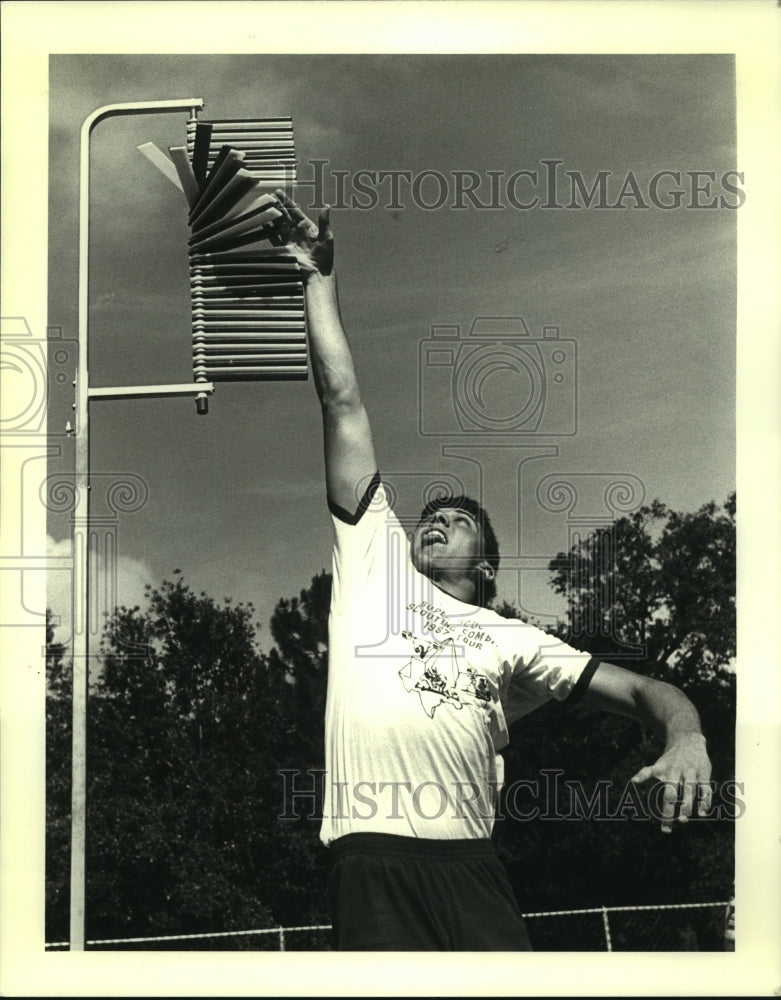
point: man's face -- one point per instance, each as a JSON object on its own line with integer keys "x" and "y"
{"x": 447, "y": 541}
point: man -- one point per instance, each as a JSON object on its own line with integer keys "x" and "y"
{"x": 424, "y": 681}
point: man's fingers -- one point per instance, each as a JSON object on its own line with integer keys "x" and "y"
{"x": 283, "y": 196}
{"x": 683, "y": 788}
{"x": 689, "y": 790}
{"x": 669, "y": 802}
{"x": 308, "y": 229}
{"x": 300, "y": 221}
{"x": 294, "y": 211}
{"x": 324, "y": 231}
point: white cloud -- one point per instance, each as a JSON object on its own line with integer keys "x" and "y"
{"x": 109, "y": 586}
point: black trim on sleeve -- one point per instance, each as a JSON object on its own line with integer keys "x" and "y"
{"x": 583, "y": 681}
{"x": 366, "y": 499}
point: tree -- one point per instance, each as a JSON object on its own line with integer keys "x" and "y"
{"x": 174, "y": 757}
{"x": 299, "y": 627}
{"x": 661, "y": 582}
{"x": 657, "y": 591}
{"x": 58, "y": 785}
{"x": 189, "y": 727}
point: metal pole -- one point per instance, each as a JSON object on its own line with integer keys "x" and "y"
{"x": 606, "y": 928}
{"x": 81, "y": 535}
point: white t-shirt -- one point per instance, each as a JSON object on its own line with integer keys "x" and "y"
{"x": 421, "y": 691}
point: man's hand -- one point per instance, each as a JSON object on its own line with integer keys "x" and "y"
{"x": 684, "y": 766}
{"x": 312, "y": 245}
{"x": 684, "y": 769}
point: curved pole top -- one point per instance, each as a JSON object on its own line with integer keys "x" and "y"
{"x": 138, "y": 107}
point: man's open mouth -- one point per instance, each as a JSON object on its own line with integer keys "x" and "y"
{"x": 434, "y": 535}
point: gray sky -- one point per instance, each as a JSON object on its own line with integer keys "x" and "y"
{"x": 645, "y": 296}
{"x": 235, "y": 499}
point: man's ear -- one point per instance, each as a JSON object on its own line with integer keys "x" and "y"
{"x": 487, "y": 570}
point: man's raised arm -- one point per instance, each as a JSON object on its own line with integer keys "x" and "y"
{"x": 349, "y": 452}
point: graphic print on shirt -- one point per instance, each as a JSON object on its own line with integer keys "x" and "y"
{"x": 433, "y": 673}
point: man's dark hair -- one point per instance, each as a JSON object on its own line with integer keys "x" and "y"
{"x": 485, "y": 589}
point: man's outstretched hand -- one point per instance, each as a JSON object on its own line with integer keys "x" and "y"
{"x": 312, "y": 245}
{"x": 684, "y": 771}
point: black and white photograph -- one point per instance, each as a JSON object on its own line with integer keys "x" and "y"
{"x": 379, "y": 380}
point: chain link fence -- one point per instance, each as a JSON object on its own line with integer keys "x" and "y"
{"x": 679, "y": 927}
{"x": 683, "y": 927}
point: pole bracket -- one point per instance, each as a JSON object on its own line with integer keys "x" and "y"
{"x": 146, "y": 391}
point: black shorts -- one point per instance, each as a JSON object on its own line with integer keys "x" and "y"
{"x": 391, "y": 893}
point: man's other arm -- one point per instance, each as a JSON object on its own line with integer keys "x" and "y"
{"x": 684, "y": 766}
